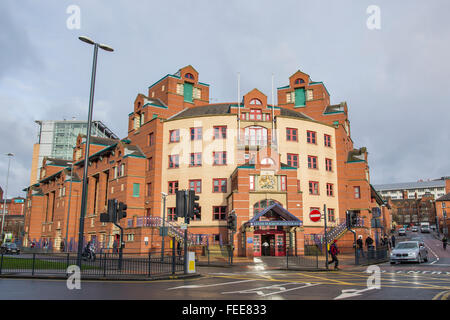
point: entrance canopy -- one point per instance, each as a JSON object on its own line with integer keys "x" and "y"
{"x": 276, "y": 216}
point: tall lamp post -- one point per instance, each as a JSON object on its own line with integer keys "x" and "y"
{"x": 164, "y": 196}
{"x": 10, "y": 155}
{"x": 88, "y": 140}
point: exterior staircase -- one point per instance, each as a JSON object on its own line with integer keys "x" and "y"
{"x": 173, "y": 229}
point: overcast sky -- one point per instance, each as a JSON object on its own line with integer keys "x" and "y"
{"x": 395, "y": 79}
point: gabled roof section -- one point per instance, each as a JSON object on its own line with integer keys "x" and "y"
{"x": 294, "y": 114}
{"x": 287, "y": 218}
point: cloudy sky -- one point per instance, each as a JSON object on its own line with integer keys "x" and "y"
{"x": 395, "y": 79}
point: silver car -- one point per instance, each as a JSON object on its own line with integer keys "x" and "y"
{"x": 411, "y": 251}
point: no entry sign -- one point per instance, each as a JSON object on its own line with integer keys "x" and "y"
{"x": 315, "y": 215}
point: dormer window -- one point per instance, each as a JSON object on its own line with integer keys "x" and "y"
{"x": 189, "y": 76}
{"x": 255, "y": 102}
{"x": 299, "y": 81}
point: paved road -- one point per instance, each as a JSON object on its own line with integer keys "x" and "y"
{"x": 426, "y": 281}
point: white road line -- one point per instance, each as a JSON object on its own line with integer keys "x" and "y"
{"x": 194, "y": 286}
{"x": 280, "y": 287}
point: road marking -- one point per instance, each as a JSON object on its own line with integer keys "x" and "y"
{"x": 194, "y": 286}
{"x": 280, "y": 287}
{"x": 348, "y": 293}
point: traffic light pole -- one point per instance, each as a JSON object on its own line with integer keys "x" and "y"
{"x": 325, "y": 234}
{"x": 186, "y": 220}
{"x": 121, "y": 244}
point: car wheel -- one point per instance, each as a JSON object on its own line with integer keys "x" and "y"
{"x": 426, "y": 259}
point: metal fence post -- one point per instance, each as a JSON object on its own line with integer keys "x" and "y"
{"x": 34, "y": 261}
{"x": 104, "y": 264}
{"x": 150, "y": 263}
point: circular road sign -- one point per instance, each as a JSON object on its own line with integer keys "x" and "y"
{"x": 315, "y": 215}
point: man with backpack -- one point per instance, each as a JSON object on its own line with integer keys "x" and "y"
{"x": 334, "y": 251}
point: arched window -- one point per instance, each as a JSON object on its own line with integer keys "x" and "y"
{"x": 256, "y": 102}
{"x": 268, "y": 161}
{"x": 255, "y": 136}
{"x": 299, "y": 81}
{"x": 189, "y": 76}
{"x": 261, "y": 205}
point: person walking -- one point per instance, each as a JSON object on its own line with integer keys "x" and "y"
{"x": 334, "y": 251}
{"x": 360, "y": 246}
{"x": 393, "y": 242}
{"x": 444, "y": 242}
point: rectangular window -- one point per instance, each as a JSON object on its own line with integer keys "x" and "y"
{"x": 220, "y": 158}
{"x": 196, "y": 160}
{"x": 314, "y": 187}
{"x": 171, "y": 216}
{"x": 136, "y": 189}
{"x": 328, "y": 164}
{"x": 292, "y": 160}
{"x": 256, "y": 114}
{"x": 288, "y": 97}
{"x": 220, "y": 185}
{"x": 330, "y": 192}
{"x": 151, "y": 139}
{"x": 219, "y": 213}
{"x": 309, "y": 95}
{"x": 357, "y": 192}
{"x": 196, "y": 133}
{"x": 122, "y": 170}
{"x": 195, "y": 185}
{"x": 174, "y": 135}
{"x": 283, "y": 185}
{"x": 252, "y": 183}
{"x": 174, "y": 161}
{"x": 180, "y": 88}
{"x": 291, "y": 134}
{"x": 331, "y": 217}
{"x": 220, "y": 132}
{"x": 327, "y": 140}
{"x": 149, "y": 189}
{"x": 311, "y": 137}
{"x": 197, "y": 93}
{"x": 173, "y": 187}
{"x": 150, "y": 163}
{"x": 312, "y": 162}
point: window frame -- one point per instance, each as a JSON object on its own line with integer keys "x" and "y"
{"x": 313, "y": 184}
{"x": 196, "y": 133}
{"x": 221, "y": 216}
{"x": 292, "y": 134}
{"x": 290, "y": 162}
{"x": 197, "y": 185}
{"x": 172, "y": 187}
{"x": 174, "y": 164}
{"x": 311, "y": 137}
{"x": 176, "y": 138}
{"x": 220, "y": 186}
{"x": 222, "y": 156}
{"x": 313, "y": 162}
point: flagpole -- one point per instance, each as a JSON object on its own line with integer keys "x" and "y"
{"x": 239, "y": 107}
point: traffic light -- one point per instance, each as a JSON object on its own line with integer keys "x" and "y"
{"x": 194, "y": 207}
{"x": 231, "y": 222}
{"x": 180, "y": 202}
{"x": 121, "y": 211}
{"x": 110, "y": 215}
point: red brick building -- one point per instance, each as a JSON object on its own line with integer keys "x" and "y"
{"x": 269, "y": 164}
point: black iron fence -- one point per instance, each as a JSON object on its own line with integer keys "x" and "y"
{"x": 107, "y": 265}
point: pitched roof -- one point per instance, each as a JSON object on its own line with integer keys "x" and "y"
{"x": 445, "y": 197}
{"x": 410, "y": 185}
{"x": 212, "y": 109}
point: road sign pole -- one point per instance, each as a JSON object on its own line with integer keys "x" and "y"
{"x": 186, "y": 220}
{"x": 325, "y": 234}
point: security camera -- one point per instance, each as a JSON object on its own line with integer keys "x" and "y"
{"x": 164, "y": 194}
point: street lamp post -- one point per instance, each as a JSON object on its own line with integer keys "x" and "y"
{"x": 88, "y": 140}
{"x": 68, "y": 208}
{"x": 6, "y": 191}
{"x": 164, "y": 195}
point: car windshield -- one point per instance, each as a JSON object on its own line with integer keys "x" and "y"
{"x": 406, "y": 245}
{"x": 12, "y": 245}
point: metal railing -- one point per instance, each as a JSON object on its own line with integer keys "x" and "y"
{"x": 107, "y": 265}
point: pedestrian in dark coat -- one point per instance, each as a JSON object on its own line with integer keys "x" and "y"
{"x": 334, "y": 251}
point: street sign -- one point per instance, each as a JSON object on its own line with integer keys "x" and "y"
{"x": 315, "y": 215}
